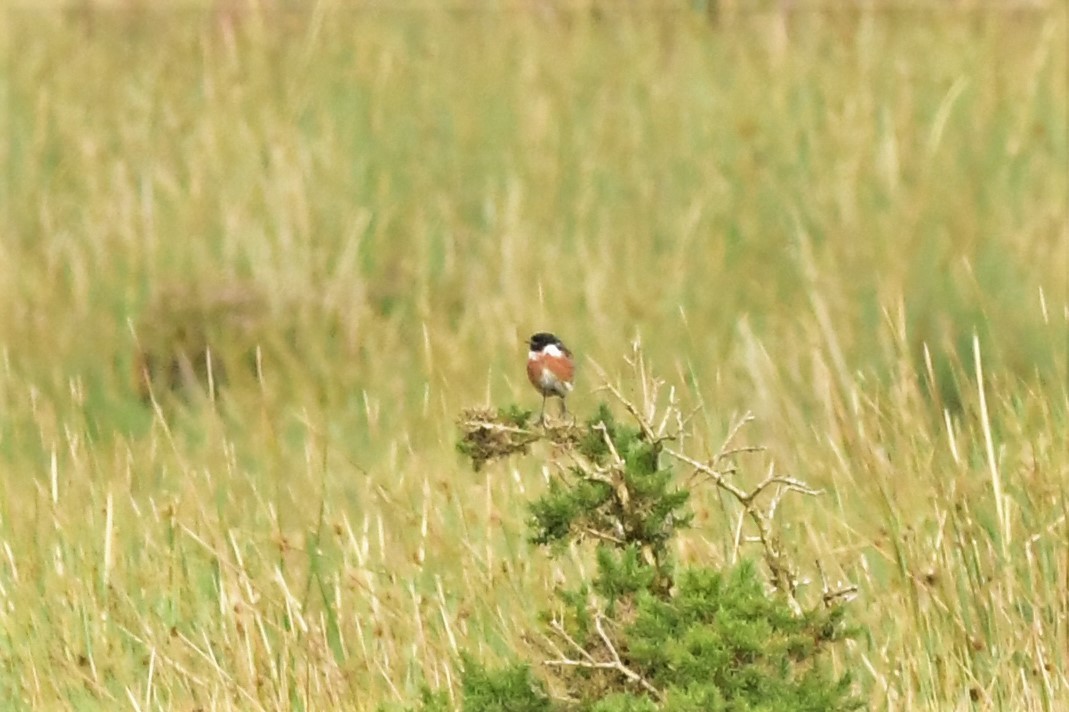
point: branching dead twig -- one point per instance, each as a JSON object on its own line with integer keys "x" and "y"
{"x": 488, "y": 435}
{"x": 738, "y": 426}
{"x": 649, "y": 399}
{"x": 617, "y": 460}
{"x": 618, "y": 483}
{"x": 647, "y": 431}
{"x": 726, "y": 452}
{"x": 604, "y": 536}
{"x": 832, "y": 595}
{"x": 615, "y": 662}
{"x": 783, "y": 574}
{"x": 715, "y": 475}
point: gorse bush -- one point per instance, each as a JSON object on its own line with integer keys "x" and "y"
{"x": 720, "y": 642}
{"x": 631, "y": 509}
{"x": 646, "y": 633}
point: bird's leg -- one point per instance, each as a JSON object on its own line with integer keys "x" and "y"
{"x": 564, "y": 412}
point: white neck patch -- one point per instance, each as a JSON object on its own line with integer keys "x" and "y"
{"x": 553, "y": 350}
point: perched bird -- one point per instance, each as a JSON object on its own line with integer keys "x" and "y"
{"x": 550, "y": 369}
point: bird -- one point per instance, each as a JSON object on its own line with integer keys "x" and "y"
{"x": 550, "y": 369}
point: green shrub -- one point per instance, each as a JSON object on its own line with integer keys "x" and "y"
{"x": 645, "y": 634}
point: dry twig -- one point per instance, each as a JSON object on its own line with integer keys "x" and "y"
{"x": 588, "y": 661}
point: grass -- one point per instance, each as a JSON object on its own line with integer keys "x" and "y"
{"x": 851, "y": 223}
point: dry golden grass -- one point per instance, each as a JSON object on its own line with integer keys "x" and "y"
{"x": 851, "y": 224}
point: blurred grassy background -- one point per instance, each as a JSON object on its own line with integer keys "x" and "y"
{"x": 804, "y": 214}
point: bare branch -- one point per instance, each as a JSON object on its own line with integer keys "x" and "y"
{"x": 600, "y": 427}
{"x": 713, "y": 474}
{"x": 559, "y": 629}
{"x": 739, "y": 425}
{"x": 783, "y": 577}
{"x": 643, "y": 423}
{"x": 829, "y": 595}
{"x": 627, "y": 672}
{"x": 647, "y": 431}
{"x": 603, "y": 535}
{"x": 788, "y": 483}
{"x": 615, "y": 663}
{"x": 669, "y": 411}
{"x": 496, "y": 427}
{"x": 725, "y": 454}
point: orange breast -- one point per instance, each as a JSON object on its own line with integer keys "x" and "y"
{"x": 550, "y": 375}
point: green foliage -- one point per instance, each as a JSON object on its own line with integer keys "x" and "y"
{"x": 515, "y": 415}
{"x": 592, "y": 444}
{"x": 557, "y": 513}
{"x": 623, "y": 497}
{"x": 623, "y": 573}
{"x": 642, "y": 636}
{"x": 506, "y": 689}
{"x": 722, "y": 638}
{"x": 620, "y": 702}
{"x": 491, "y": 435}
